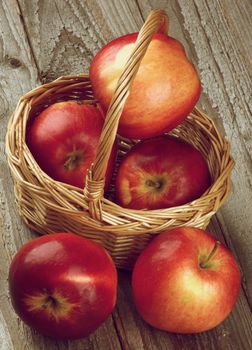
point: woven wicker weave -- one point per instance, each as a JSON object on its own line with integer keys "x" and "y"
{"x": 48, "y": 206}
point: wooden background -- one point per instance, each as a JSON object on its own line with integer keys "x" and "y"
{"x": 43, "y": 39}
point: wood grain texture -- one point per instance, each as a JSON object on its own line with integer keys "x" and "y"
{"x": 17, "y": 75}
{"x": 223, "y": 49}
{"x": 41, "y": 40}
{"x": 64, "y": 34}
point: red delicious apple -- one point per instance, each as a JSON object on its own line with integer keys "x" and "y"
{"x": 64, "y": 139}
{"x": 165, "y": 89}
{"x": 63, "y": 285}
{"x": 185, "y": 281}
{"x": 161, "y": 172}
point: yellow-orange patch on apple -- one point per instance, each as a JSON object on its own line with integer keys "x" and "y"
{"x": 55, "y": 305}
{"x": 164, "y": 91}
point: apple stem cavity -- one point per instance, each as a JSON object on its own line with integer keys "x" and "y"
{"x": 74, "y": 159}
{"x": 155, "y": 184}
{"x": 205, "y": 264}
{"x": 50, "y": 302}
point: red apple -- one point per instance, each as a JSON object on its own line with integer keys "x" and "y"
{"x": 64, "y": 139}
{"x": 185, "y": 281}
{"x": 165, "y": 88}
{"x": 160, "y": 173}
{"x": 63, "y": 285}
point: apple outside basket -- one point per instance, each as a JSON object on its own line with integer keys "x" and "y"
{"x": 49, "y": 206}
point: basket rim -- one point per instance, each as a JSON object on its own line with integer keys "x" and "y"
{"x": 111, "y": 221}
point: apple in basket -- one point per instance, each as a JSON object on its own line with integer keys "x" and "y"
{"x": 185, "y": 281}
{"x": 63, "y": 285}
{"x": 161, "y": 172}
{"x": 165, "y": 88}
{"x": 63, "y": 139}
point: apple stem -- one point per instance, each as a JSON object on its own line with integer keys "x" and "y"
{"x": 204, "y": 263}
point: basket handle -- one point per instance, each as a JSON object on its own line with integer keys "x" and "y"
{"x": 157, "y": 21}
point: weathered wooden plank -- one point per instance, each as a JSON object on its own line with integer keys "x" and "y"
{"x": 18, "y": 72}
{"x": 63, "y": 36}
{"x": 217, "y": 30}
{"x": 5, "y": 339}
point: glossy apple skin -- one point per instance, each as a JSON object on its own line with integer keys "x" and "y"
{"x": 165, "y": 88}
{"x": 61, "y": 129}
{"x": 173, "y": 293}
{"x": 76, "y": 272}
{"x": 161, "y": 172}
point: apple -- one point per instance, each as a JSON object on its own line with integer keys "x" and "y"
{"x": 185, "y": 281}
{"x": 63, "y": 285}
{"x": 161, "y": 172}
{"x": 165, "y": 88}
{"x": 64, "y": 138}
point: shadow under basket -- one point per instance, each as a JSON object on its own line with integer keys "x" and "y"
{"x": 49, "y": 206}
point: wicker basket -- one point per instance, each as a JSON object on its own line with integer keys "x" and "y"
{"x": 48, "y": 206}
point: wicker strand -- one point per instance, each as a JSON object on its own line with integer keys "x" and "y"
{"x": 93, "y": 192}
{"x": 155, "y": 20}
